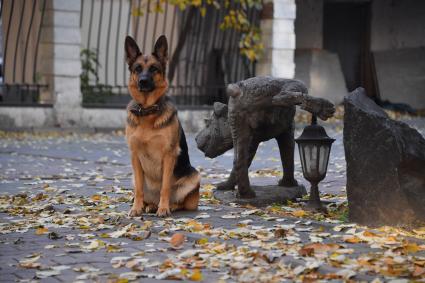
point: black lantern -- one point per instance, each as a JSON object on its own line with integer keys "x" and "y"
{"x": 314, "y": 146}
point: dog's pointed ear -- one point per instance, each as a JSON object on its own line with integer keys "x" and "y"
{"x": 132, "y": 51}
{"x": 160, "y": 50}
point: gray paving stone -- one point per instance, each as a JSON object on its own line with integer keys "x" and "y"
{"x": 64, "y": 162}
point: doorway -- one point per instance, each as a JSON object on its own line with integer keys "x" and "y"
{"x": 346, "y": 31}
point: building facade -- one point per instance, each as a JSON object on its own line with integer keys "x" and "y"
{"x": 333, "y": 46}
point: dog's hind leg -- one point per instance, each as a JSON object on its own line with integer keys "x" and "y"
{"x": 192, "y": 200}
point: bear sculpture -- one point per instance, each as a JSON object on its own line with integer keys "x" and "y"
{"x": 259, "y": 109}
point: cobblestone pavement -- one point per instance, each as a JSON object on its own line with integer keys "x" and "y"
{"x": 63, "y": 218}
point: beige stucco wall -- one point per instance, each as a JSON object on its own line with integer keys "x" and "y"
{"x": 395, "y": 24}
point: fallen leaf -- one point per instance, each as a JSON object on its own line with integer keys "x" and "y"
{"x": 30, "y": 263}
{"x": 95, "y": 197}
{"x": 418, "y": 271}
{"x": 41, "y": 231}
{"x": 411, "y": 247}
{"x": 299, "y": 213}
{"x": 352, "y": 239}
{"x": 346, "y": 273}
{"x": 47, "y": 273}
{"x": 196, "y": 275}
{"x": 177, "y": 240}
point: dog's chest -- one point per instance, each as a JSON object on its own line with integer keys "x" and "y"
{"x": 150, "y": 146}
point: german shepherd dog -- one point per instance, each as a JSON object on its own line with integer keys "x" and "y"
{"x": 163, "y": 177}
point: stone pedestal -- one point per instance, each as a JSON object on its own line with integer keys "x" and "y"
{"x": 61, "y": 48}
{"x": 266, "y": 195}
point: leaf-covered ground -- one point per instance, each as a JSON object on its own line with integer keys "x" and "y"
{"x": 64, "y": 200}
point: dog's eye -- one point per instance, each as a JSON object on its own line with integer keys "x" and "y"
{"x": 138, "y": 69}
{"x": 153, "y": 69}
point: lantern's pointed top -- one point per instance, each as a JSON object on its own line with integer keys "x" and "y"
{"x": 314, "y": 132}
{"x": 313, "y": 119}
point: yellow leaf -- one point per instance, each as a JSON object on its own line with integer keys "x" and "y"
{"x": 41, "y": 231}
{"x": 369, "y": 234}
{"x": 352, "y": 240}
{"x": 196, "y": 275}
{"x": 411, "y": 247}
{"x": 95, "y": 197}
{"x": 202, "y": 241}
{"x": 299, "y": 213}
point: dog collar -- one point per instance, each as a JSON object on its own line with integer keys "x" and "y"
{"x": 138, "y": 110}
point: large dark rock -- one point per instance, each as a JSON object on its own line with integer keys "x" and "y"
{"x": 385, "y": 165}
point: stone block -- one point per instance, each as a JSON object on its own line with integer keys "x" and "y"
{"x": 61, "y": 19}
{"x": 283, "y": 63}
{"x": 67, "y": 84}
{"x": 283, "y": 26}
{"x": 385, "y": 165}
{"x": 282, "y": 56}
{"x": 26, "y": 117}
{"x": 284, "y": 9}
{"x": 65, "y": 67}
{"x": 283, "y": 40}
{"x": 61, "y": 51}
{"x": 62, "y": 35}
{"x": 287, "y": 71}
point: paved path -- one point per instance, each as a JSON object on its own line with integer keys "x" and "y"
{"x": 63, "y": 206}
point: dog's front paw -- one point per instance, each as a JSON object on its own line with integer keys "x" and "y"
{"x": 163, "y": 211}
{"x": 136, "y": 210}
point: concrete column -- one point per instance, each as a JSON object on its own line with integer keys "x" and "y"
{"x": 63, "y": 45}
{"x": 278, "y": 31}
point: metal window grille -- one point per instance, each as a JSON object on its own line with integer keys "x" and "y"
{"x": 207, "y": 61}
{"x": 20, "y": 33}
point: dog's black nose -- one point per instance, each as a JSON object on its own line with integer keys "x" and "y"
{"x": 146, "y": 83}
{"x": 143, "y": 81}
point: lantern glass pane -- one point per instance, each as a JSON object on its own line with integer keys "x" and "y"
{"x": 302, "y": 156}
{"x": 324, "y": 158}
{"x": 311, "y": 159}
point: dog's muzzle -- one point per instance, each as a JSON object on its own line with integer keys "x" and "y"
{"x": 146, "y": 83}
